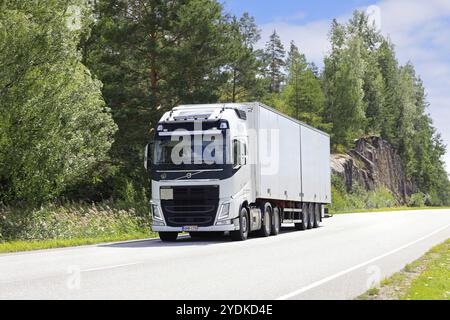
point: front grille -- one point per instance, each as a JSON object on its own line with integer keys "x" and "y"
{"x": 193, "y": 205}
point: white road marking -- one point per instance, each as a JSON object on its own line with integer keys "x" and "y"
{"x": 110, "y": 267}
{"x": 343, "y": 272}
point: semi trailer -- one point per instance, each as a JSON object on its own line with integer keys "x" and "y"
{"x": 239, "y": 168}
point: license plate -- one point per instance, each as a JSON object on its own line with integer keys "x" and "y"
{"x": 190, "y": 228}
{"x": 166, "y": 194}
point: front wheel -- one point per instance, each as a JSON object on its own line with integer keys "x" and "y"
{"x": 168, "y": 236}
{"x": 244, "y": 224}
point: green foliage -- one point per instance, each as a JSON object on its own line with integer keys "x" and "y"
{"x": 368, "y": 92}
{"x": 358, "y": 198}
{"x": 70, "y": 221}
{"x": 344, "y": 73}
{"x": 55, "y": 128}
{"x": 243, "y": 67}
{"x": 380, "y": 198}
{"x": 303, "y": 96}
{"x": 274, "y": 55}
{"x": 417, "y": 200}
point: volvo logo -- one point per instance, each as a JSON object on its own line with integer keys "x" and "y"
{"x": 189, "y": 175}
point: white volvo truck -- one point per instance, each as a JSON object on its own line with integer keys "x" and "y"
{"x": 239, "y": 168}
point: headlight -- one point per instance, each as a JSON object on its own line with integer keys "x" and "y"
{"x": 156, "y": 213}
{"x": 224, "y": 211}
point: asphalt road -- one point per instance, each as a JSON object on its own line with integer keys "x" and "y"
{"x": 337, "y": 261}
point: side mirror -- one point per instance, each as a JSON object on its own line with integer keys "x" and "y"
{"x": 148, "y": 155}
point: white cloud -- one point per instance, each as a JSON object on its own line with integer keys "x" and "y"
{"x": 419, "y": 30}
{"x": 310, "y": 37}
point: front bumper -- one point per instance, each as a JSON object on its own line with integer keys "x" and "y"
{"x": 220, "y": 228}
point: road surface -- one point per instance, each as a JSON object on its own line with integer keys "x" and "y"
{"x": 337, "y": 261}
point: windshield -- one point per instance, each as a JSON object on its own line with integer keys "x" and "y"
{"x": 189, "y": 150}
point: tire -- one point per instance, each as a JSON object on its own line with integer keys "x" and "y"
{"x": 305, "y": 218}
{"x": 244, "y": 227}
{"x": 311, "y": 214}
{"x": 168, "y": 236}
{"x": 276, "y": 221}
{"x": 316, "y": 215}
{"x": 266, "y": 228}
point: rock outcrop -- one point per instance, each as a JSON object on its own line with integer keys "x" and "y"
{"x": 373, "y": 163}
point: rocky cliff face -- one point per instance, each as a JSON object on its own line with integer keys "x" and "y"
{"x": 373, "y": 163}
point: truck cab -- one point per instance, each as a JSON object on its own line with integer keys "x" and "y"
{"x": 200, "y": 170}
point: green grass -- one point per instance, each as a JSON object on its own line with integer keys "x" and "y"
{"x": 387, "y": 209}
{"x": 16, "y": 246}
{"x": 434, "y": 282}
{"x": 373, "y": 291}
{"x": 427, "y": 278}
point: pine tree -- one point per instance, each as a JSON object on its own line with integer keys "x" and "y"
{"x": 243, "y": 83}
{"x": 274, "y": 54}
{"x": 344, "y": 80}
{"x": 296, "y": 64}
{"x": 391, "y": 81}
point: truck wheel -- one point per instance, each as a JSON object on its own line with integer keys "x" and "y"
{"x": 305, "y": 218}
{"x": 311, "y": 214}
{"x": 316, "y": 215}
{"x": 266, "y": 228}
{"x": 276, "y": 221}
{"x": 168, "y": 236}
{"x": 244, "y": 224}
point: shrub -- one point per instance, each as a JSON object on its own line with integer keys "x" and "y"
{"x": 70, "y": 221}
{"x": 417, "y": 199}
{"x": 381, "y": 198}
{"x": 358, "y": 198}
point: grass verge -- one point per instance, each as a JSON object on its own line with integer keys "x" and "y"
{"x": 427, "y": 278}
{"x": 387, "y": 209}
{"x": 17, "y": 246}
{"x": 54, "y": 225}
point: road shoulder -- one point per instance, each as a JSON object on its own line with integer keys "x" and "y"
{"x": 427, "y": 278}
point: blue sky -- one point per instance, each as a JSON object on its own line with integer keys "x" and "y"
{"x": 268, "y": 11}
{"x": 420, "y": 30}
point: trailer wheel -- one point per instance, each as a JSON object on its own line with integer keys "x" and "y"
{"x": 244, "y": 226}
{"x": 311, "y": 214}
{"x": 266, "y": 228}
{"x": 305, "y": 218}
{"x": 168, "y": 236}
{"x": 276, "y": 221}
{"x": 316, "y": 215}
